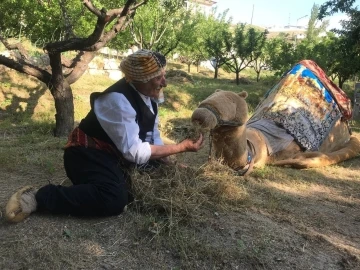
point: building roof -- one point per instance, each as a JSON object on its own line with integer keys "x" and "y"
{"x": 204, "y": 2}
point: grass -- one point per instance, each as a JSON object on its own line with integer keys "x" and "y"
{"x": 201, "y": 217}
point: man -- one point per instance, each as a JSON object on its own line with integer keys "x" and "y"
{"x": 120, "y": 131}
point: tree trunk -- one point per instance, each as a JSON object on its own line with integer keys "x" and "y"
{"x": 189, "y": 68}
{"x": 257, "y": 76}
{"x": 341, "y": 82}
{"x": 237, "y": 78}
{"x": 64, "y": 105}
{"x": 63, "y": 97}
{"x": 216, "y": 72}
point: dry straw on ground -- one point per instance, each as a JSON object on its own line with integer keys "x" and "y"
{"x": 184, "y": 192}
{"x": 178, "y": 76}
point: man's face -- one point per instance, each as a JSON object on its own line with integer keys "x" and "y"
{"x": 152, "y": 88}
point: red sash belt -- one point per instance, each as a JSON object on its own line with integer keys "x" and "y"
{"x": 79, "y": 138}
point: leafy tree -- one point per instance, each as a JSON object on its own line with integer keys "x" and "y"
{"x": 63, "y": 72}
{"x": 44, "y": 21}
{"x": 350, "y": 28}
{"x": 192, "y": 50}
{"x": 346, "y": 60}
{"x": 314, "y": 30}
{"x": 263, "y": 61}
{"x": 162, "y": 25}
{"x": 323, "y": 54}
{"x": 258, "y": 65}
{"x": 346, "y": 48}
{"x": 247, "y": 46}
{"x": 281, "y": 54}
{"x": 334, "y": 56}
{"x": 333, "y": 6}
{"x": 217, "y": 37}
{"x": 303, "y": 50}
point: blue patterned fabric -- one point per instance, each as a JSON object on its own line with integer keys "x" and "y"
{"x": 302, "y": 105}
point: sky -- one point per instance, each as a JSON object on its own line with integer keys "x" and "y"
{"x": 275, "y": 12}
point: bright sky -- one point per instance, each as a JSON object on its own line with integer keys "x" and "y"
{"x": 274, "y": 12}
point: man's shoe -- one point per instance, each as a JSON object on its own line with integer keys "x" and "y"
{"x": 21, "y": 204}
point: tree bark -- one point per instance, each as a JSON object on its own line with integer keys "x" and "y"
{"x": 63, "y": 97}
{"x": 216, "y": 72}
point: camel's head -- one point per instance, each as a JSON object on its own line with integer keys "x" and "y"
{"x": 221, "y": 108}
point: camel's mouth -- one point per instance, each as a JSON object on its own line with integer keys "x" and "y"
{"x": 209, "y": 118}
{"x": 203, "y": 119}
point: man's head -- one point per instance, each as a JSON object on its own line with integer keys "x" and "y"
{"x": 146, "y": 70}
{"x": 142, "y": 66}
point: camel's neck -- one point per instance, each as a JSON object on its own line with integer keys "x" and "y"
{"x": 234, "y": 143}
{"x": 256, "y": 138}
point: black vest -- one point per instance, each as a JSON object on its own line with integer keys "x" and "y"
{"x": 144, "y": 117}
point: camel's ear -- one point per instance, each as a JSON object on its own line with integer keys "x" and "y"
{"x": 243, "y": 94}
{"x": 218, "y": 90}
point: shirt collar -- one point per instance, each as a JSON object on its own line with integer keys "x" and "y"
{"x": 145, "y": 98}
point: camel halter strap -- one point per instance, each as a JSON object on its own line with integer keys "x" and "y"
{"x": 250, "y": 161}
{"x": 220, "y": 122}
{"x": 251, "y": 150}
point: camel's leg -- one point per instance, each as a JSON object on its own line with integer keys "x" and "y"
{"x": 318, "y": 159}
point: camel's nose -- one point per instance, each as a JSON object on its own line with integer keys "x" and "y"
{"x": 203, "y": 118}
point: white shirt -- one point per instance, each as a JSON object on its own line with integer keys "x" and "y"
{"x": 117, "y": 117}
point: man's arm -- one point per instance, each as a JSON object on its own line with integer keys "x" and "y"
{"x": 187, "y": 145}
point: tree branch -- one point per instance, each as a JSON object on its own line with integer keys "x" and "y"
{"x": 82, "y": 62}
{"x": 104, "y": 18}
{"x": 26, "y": 68}
{"x": 17, "y": 46}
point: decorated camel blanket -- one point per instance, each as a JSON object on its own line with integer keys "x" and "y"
{"x": 305, "y": 103}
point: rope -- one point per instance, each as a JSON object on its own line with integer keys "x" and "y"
{"x": 219, "y": 120}
{"x": 210, "y": 146}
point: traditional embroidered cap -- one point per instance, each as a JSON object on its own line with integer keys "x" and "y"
{"x": 142, "y": 66}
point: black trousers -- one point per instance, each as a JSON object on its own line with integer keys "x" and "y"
{"x": 99, "y": 185}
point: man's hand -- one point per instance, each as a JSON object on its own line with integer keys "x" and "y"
{"x": 193, "y": 146}
{"x": 187, "y": 145}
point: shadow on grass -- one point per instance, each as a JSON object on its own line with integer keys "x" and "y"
{"x": 19, "y": 96}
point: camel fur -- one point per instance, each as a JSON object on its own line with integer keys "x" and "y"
{"x": 225, "y": 114}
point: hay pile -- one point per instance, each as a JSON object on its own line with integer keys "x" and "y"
{"x": 243, "y": 80}
{"x": 178, "y": 76}
{"x": 185, "y": 192}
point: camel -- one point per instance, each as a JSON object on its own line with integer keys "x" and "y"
{"x": 301, "y": 123}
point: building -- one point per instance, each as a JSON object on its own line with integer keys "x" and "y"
{"x": 205, "y": 6}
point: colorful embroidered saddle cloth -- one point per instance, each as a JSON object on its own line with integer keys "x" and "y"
{"x": 306, "y": 103}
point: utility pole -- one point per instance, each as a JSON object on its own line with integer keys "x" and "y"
{"x": 289, "y": 20}
{"x": 252, "y": 14}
